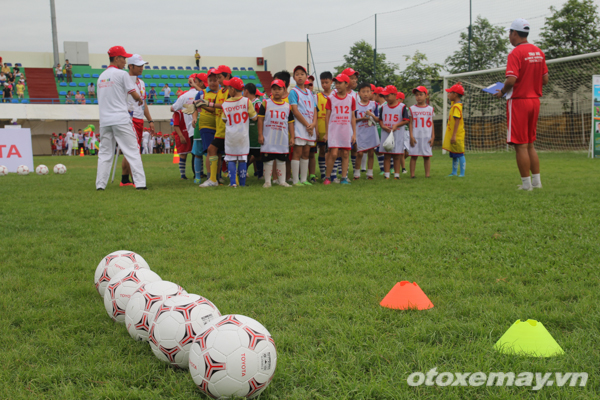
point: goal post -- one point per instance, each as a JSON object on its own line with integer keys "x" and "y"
{"x": 565, "y": 119}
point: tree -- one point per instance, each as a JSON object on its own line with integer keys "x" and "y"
{"x": 419, "y": 72}
{"x": 360, "y": 58}
{"x": 572, "y": 30}
{"x": 489, "y": 48}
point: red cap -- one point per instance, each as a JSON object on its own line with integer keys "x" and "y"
{"x": 235, "y": 83}
{"x": 259, "y": 93}
{"x": 457, "y": 88}
{"x": 311, "y": 78}
{"x": 342, "y": 78}
{"x": 400, "y": 95}
{"x": 378, "y": 90}
{"x": 373, "y": 87}
{"x": 389, "y": 89}
{"x": 349, "y": 72}
{"x": 307, "y": 82}
{"x": 224, "y": 68}
{"x": 278, "y": 82}
{"x": 420, "y": 89}
{"x": 116, "y": 51}
{"x": 202, "y": 76}
{"x": 70, "y": 128}
{"x": 192, "y": 76}
{"x": 212, "y": 71}
{"x": 300, "y": 67}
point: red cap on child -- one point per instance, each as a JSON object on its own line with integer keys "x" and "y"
{"x": 389, "y": 89}
{"x": 457, "y": 88}
{"x": 400, "y": 95}
{"x": 278, "y": 82}
{"x": 259, "y": 93}
{"x": 342, "y": 78}
{"x": 235, "y": 83}
{"x": 224, "y": 68}
{"x": 349, "y": 72}
{"x": 213, "y": 71}
{"x": 420, "y": 89}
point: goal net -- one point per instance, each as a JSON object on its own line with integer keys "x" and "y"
{"x": 565, "y": 119}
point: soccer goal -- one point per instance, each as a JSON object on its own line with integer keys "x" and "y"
{"x": 565, "y": 120}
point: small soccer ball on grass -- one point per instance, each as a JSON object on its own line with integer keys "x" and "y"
{"x": 114, "y": 263}
{"x": 23, "y": 170}
{"x": 3, "y": 170}
{"x": 175, "y": 325}
{"x": 233, "y": 356}
{"x": 143, "y": 304}
{"x": 122, "y": 287}
{"x": 41, "y": 170}
{"x": 60, "y": 169}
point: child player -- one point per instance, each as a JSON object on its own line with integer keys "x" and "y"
{"x": 237, "y": 112}
{"x": 275, "y": 133}
{"x": 380, "y": 100}
{"x": 393, "y": 118}
{"x": 205, "y": 116}
{"x": 326, "y": 81}
{"x": 400, "y": 96}
{"x": 421, "y": 131}
{"x": 183, "y": 141}
{"x": 285, "y": 76}
{"x": 366, "y": 132}
{"x": 250, "y": 92}
{"x": 454, "y": 141}
{"x": 341, "y": 126}
{"x": 304, "y": 109}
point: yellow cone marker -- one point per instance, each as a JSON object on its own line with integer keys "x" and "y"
{"x": 528, "y": 338}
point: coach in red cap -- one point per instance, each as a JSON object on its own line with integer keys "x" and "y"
{"x": 114, "y": 87}
{"x": 526, "y": 73}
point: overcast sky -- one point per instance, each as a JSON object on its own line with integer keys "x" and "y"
{"x": 243, "y": 28}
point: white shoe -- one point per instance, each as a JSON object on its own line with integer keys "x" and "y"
{"x": 267, "y": 185}
{"x": 537, "y": 187}
{"x": 336, "y": 180}
{"x": 520, "y": 187}
{"x": 285, "y": 184}
{"x": 209, "y": 183}
{"x": 275, "y": 182}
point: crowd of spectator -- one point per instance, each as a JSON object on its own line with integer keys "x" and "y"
{"x": 12, "y": 83}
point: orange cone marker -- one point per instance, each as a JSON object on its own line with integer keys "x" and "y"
{"x": 81, "y": 153}
{"x": 175, "y": 156}
{"x": 405, "y": 296}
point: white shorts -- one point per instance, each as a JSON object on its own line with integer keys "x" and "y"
{"x": 406, "y": 140}
{"x": 236, "y": 158}
{"x": 302, "y": 142}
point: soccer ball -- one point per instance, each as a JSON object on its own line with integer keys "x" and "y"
{"x": 3, "y": 170}
{"x": 142, "y": 306}
{"x": 175, "y": 325}
{"x": 41, "y": 170}
{"x": 23, "y": 170}
{"x": 122, "y": 286}
{"x": 112, "y": 264}
{"x": 234, "y": 356}
{"x": 60, "y": 169}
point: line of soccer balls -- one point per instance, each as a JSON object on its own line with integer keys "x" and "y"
{"x": 40, "y": 170}
{"x": 227, "y": 355}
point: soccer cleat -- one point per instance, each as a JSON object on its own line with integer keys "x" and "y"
{"x": 386, "y": 177}
{"x": 285, "y": 184}
{"x": 356, "y": 178}
{"x": 363, "y": 170}
{"x": 126, "y": 184}
{"x": 325, "y": 182}
{"x": 336, "y": 180}
{"x": 380, "y": 173}
{"x": 267, "y": 185}
{"x": 404, "y": 171}
{"x": 197, "y": 181}
{"x": 209, "y": 183}
{"x": 184, "y": 177}
{"x": 533, "y": 186}
{"x": 306, "y": 183}
{"x": 397, "y": 178}
{"x": 370, "y": 178}
{"x": 142, "y": 188}
{"x": 99, "y": 188}
{"x": 451, "y": 175}
{"x": 520, "y": 187}
{"x": 345, "y": 181}
{"x": 299, "y": 184}
{"x": 233, "y": 185}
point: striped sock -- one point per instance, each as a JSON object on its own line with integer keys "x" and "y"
{"x": 338, "y": 165}
{"x": 380, "y": 161}
{"x": 182, "y": 167}
{"x": 322, "y": 166}
{"x": 353, "y": 159}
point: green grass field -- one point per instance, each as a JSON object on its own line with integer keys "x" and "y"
{"x": 312, "y": 265}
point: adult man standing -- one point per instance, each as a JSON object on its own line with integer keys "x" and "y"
{"x": 114, "y": 86}
{"x": 69, "y": 70}
{"x": 69, "y": 140}
{"x": 526, "y": 73}
{"x": 137, "y": 112}
{"x": 197, "y": 57}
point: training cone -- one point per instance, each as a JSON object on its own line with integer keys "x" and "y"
{"x": 406, "y": 296}
{"x": 81, "y": 153}
{"x": 528, "y": 338}
{"x": 175, "y": 156}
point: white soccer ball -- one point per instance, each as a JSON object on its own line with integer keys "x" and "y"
{"x": 233, "y": 356}
{"x": 3, "y": 170}
{"x": 60, "y": 169}
{"x": 122, "y": 287}
{"x": 143, "y": 304}
{"x": 41, "y": 170}
{"x": 114, "y": 263}
{"x": 175, "y": 325}
{"x": 23, "y": 170}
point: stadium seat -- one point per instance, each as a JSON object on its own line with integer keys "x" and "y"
{"x": 161, "y": 93}
{"x": 173, "y": 76}
{"x": 160, "y": 84}
{"x": 178, "y": 85}
{"x": 95, "y": 101}
{"x": 171, "y": 67}
{"x": 211, "y": 67}
{"x": 160, "y": 101}
{"x": 18, "y": 65}
{"x": 24, "y": 101}
{"x": 244, "y": 77}
{"x": 86, "y": 75}
{"x": 181, "y": 77}
{"x": 62, "y": 93}
{"x": 95, "y": 76}
{"x": 242, "y": 69}
{"x": 155, "y": 67}
{"x": 14, "y": 100}
{"x": 164, "y": 76}
{"x": 180, "y": 68}
{"x": 203, "y": 69}
{"x": 147, "y": 67}
{"x": 187, "y": 76}
{"x": 9, "y": 64}
{"x": 73, "y": 84}
{"x": 156, "y": 76}
{"x": 153, "y": 85}
{"x": 76, "y": 75}
{"x": 235, "y": 69}
{"x": 82, "y": 84}
{"x": 62, "y": 84}
{"x": 163, "y": 67}
{"x": 104, "y": 66}
{"x": 259, "y": 85}
{"x": 251, "y": 77}
{"x": 148, "y": 76}
{"x": 196, "y": 68}
{"x": 186, "y": 85}
{"x": 250, "y": 69}
{"x": 188, "y": 68}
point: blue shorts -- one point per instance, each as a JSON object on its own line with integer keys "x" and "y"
{"x": 456, "y": 155}
{"x": 197, "y": 149}
{"x": 207, "y": 136}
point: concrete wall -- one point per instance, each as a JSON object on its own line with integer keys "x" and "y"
{"x": 285, "y": 55}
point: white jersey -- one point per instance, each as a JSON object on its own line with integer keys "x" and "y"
{"x": 145, "y": 137}
{"x": 339, "y": 130}
{"x": 186, "y": 98}
{"x": 135, "y": 110}
{"x": 276, "y": 128}
{"x": 366, "y": 136}
{"x": 114, "y": 87}
{"x": 306, "y": 107}
{"x": 422, "y": 129}
{"x": 237, "y": 126}
{"x": 389, "y": 117}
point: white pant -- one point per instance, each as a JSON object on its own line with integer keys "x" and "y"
{"x": 145, "y": 147}
{"x": 125, "y": 137}
{"x": 70, "y": 148}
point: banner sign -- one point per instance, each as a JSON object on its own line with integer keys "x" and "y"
{"x": 15, "y": 148}
{"x": 595, "y": 137}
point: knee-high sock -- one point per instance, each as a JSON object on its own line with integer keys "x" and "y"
{"x": 242, "y": 172}
{"x": 322, "y": 166}
{"x": 338, "y": 162}
{"x": 259, "y": 165}
{"x": 268, "y": 171}
{"x": 463, "y": 165}
{"x": 454, "y": 166}
{"x": 232, "y": 175}
{"x": 295, "y": 171}
{"x": 182, "y": 167}
{"x": 193, "y": 164}
{"x": 303, "y": 170}
{"x": 380, "y": 161}
{"x": 198, "y": 166}
{"x": 214, "y": 166}
{"x": 336, "y": 166}
{"x": 363, "y": 164}
{"x": 281, "y": 171}
{"x": 353, "y": 158}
